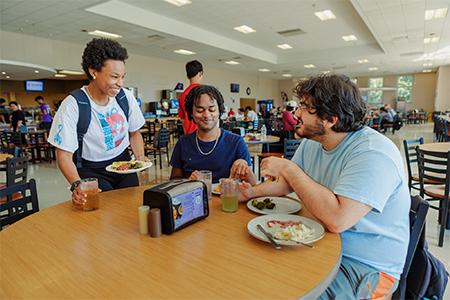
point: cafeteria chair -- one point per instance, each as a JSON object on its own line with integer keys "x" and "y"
{"x": 18, "y": 209}
{"x": 160, "y": 145}
{"x": 435, "y": 166}
{"x": 417, "y": 216}
{"x": 409, "y": 146}
{"x": 290, "y": 146}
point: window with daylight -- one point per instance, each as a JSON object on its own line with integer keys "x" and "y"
{"x": 375, "y": 96}
{"x": 404, "y": 87}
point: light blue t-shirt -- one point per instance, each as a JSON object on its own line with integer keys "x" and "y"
{"x": 366, "y": 167}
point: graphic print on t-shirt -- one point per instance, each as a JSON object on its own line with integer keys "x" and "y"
{"x": 113, "y": 126}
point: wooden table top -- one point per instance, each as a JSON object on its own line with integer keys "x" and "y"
{"x": 268, "y": 139}
{"x": 437, "y": 147}
{"x": 4, "y": 156}
{"x": 61, "y": 252}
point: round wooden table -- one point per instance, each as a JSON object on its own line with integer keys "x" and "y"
{"x": 436, "y": 147}
{"x": 4, "y": 156}
{"x": 268, "y": 139}
{"x": 62, "y": 252}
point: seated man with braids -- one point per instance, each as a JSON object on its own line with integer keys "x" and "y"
{"x": 210, "y": 147}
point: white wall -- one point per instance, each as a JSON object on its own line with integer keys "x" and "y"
{"x": 442, "y": 100}
{"x": 149, "y": 74}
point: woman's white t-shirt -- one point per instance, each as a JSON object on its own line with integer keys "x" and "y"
{"x": 107, "y": 135}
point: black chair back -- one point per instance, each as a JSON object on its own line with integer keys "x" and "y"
{"x": 435, "y": 166}
{"x": 290, "y": 146}
{"x": 162, "y": 138}
{"x": 26, "y": 204}
{"x": 16, "y": 171}
{"x": 409, "y": 146}
{"x": 417, "y": 217}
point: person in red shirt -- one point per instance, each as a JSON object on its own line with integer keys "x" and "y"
{"x": 231, "y": 112}
{"x": 194, "y": 72}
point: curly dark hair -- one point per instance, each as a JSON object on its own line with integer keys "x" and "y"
{"x": 195, "y": 94}
{"x": 98, "y": 51}
{"x": 334, "y": 95}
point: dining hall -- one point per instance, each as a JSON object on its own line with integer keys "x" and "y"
{"x": 198, "y": 149}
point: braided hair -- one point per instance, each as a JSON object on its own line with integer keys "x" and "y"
{"x": 334, "y": 95}
{"x": 196, "y": 92}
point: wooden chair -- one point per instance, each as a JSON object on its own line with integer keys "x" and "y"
{"x": 160, "y": 145}
{"x": 435, "y": 166}
{"x": 19, "y": 208}
{"x": 38, "y": 145}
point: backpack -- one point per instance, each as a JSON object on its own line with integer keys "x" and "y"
{"x": 84, "y": 117}
{"x": 427, "y": 276}
{"x": 398, "y": 123}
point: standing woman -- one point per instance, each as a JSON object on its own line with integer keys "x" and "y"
{"x": 109, "y": 132}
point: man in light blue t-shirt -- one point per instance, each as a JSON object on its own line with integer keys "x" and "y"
{"x": 351, "y": 178}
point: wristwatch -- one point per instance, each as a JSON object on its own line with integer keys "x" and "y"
{"x": 75, "y": 184}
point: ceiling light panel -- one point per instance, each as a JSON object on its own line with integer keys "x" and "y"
{"x": 179, "y": 2}
{"x": 60, "y": 75}
{"x": 184, "y": 52}
{"x": 284, "y": 46}
{"x": 349, "y": 38}
{"x": 232, "y": 62}
{"x": 70, "y": 72}
{"x": 310, "y": 66}
{"x": 438, "y": 13}
{"x": 427, "y": 64}
{"x": 427, "y": 71}
{"x": 287, "y": 75}
{"x": 373, "y": 69}
{"x": 363, "y": 61}
{"x": 245, "y": 29}
{"x": 431, "y": 40}
{"x": 325, "y": 15}
{"x": 264, "y": 70}
{"x": 105, "y": 34}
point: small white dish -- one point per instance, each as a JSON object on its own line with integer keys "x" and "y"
{"x": 283, "y": 205}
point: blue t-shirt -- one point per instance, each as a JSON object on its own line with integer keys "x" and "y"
{"x": 229, "y": 148}
{"x": 366, "y": 167}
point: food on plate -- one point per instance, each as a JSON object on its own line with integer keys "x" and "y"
{"x": 265, "y": 203}
{"x": 127, "y": 165}
{"x": 289, "y": 230}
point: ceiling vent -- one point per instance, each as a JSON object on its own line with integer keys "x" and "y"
{"x": 412, "y": 53}
{"x": 155, "y": 37}
{"x": 400, "y": 38}
{"x": 291, "y": 32}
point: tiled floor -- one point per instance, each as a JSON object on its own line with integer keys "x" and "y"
{"x": 53, "y": 188}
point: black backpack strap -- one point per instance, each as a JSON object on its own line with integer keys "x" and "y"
{"x": 84, "y": 119}
{"x": 121, "y": 98}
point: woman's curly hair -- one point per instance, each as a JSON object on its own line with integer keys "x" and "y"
{"x": 195, "y": 94}
{"x": 98, "y": 51}
{"x": 334, "y": 96}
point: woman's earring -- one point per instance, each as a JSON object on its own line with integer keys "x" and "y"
{"x": 93, "y": 77}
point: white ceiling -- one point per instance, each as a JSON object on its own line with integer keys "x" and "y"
{"x": 390, "y": 32}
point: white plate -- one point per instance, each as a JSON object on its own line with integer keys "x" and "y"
{"x": 214, "y": 186}
{"x": 147, "y": 164}
{"x": 318, "y": 233}
{"x": 283, "y": 205}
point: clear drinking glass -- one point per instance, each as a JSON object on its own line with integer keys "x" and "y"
{"x": 206, "y": 177}
{"x": 89, "y": 186}
{"x": 230, "y": 192}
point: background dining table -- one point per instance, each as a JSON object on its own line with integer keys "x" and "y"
{"x": 62, "y": 252}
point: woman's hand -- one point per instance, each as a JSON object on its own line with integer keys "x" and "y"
{"x": 245, "y": 191}
{"x": 142, "y": 158}
{"x": 79, "y": 197}
{"x": 195, "y": 175}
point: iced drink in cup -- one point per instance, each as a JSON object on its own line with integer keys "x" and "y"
{"x": 230, "y": 192}
{"x": 89, "y": 186}
{"x": 206, "y": 177}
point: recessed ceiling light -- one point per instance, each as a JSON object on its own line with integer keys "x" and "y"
{"x": 310, "y": 66}
{"x": 326, "y": 72}
{"x": 232, "y": 62}
{"x": 325, "y": 15}
{"x": 3, "y": 73}
{"x": 373, "y": 69}
{"x": 427, "y": 71}
{"x": 70, "y": 72}
{"x": 349, "y": 38}
{"x": 363, "y": 61}
{"x": 264, "y": 70}
{"x": 36, "y": 71}
{"x": 287, "y": 75}
{"x": 431, "y": 40}
{"x": 60, "y": 75}
{"x": 245, "y": 29}
{"x": 184, "y": 52}
{"x": 105, "y": 34}
{"x": 8, "y": 77}
{"x": 284, "y": 46}
{"x": 179, "y": 2}
{"x": 427, "y": 64}
{"x": 438, "y": 13}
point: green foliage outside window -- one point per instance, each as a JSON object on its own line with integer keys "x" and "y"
{"x": 375, "y": 96}
{"x": 404, "y": 87}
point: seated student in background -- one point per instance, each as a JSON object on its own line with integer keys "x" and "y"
{"x": 211, "y": 148}
{"x": 17, "y": 116}
{"x": 384, "y": 117}
{"x": 352, "y": 179}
